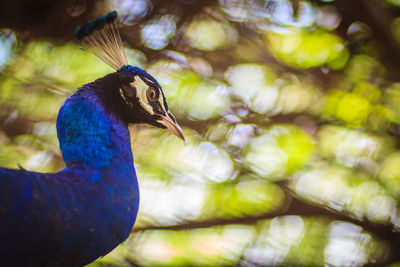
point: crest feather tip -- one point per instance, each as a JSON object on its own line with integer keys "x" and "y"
{"x": 101, "y": 37}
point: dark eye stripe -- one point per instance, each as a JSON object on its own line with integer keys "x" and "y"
{"x": 157, "y": 108}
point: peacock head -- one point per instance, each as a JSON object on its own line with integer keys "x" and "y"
{"x": 139, "y": 97}
{"x": 145, "y": 102}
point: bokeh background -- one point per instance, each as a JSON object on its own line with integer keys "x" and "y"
{"x": 291, "y": 111}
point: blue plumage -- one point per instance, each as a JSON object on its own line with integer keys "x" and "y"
{"x": 72, "y": 217}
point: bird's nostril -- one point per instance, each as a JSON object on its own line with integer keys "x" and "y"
{"x": 171, "y": 117}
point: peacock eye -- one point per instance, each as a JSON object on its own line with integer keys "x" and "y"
{"x": 152, "y": 94}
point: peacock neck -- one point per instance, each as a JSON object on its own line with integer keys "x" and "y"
{"x": 90, "y": 135}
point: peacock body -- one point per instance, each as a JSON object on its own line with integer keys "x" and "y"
{"x": 82, "y": 212}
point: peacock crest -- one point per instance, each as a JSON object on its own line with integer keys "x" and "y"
{"x": 101, "y": 37}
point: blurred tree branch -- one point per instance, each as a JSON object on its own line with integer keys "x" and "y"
{"x": 301, "y": 208}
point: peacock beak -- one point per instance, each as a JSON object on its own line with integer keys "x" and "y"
{"x": 171, "y": 124}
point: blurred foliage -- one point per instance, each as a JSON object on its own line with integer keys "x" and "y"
{"x": 291, "y": 112}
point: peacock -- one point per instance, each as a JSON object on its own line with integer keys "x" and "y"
{"x": 82, "y": 212}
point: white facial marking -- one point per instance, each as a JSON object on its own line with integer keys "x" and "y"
{"x": 123, "y": 97}
{"x": 161, "y": 98}
{"x": 141, "y": 88}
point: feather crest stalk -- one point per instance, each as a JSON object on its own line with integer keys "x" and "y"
{"x": 101, "y": 37}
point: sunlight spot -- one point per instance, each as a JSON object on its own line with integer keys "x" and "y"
{"x": 157, "y": 33}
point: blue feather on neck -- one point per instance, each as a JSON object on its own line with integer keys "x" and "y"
{"x": 89, "y": 135}
{"x": 83, "y": 211}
